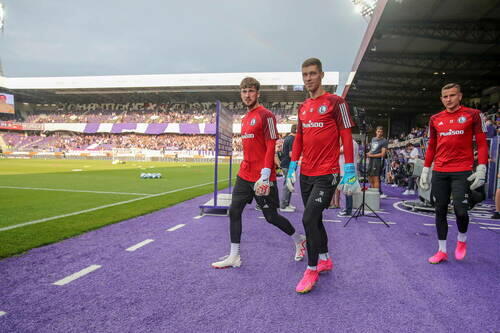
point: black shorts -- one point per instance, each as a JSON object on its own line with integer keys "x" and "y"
{"x": 375, "y": 167}
{"x": 243, "y": 193}
{"x": 321, "y": 188}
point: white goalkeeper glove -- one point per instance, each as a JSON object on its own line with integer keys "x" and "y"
{"x": 424, "y": 179}
{"x": 290, "y": 176}
{"x": 262, "y": 186}
{"x": 478, "y": 178}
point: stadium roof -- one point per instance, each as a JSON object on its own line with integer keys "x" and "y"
{"x": 275, "y": 87}
{"x": 412, "y": 48}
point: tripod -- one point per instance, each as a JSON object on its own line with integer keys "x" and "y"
{"x": 360, "y": 211}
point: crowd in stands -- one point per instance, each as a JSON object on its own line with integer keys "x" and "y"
{"x": 175, "y": 113}
{"x": 65, "y": 142}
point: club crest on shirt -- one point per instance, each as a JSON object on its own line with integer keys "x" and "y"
{"x": 311, "y": 109}
{"x": 252, "y": 122}
{"x": 462, "y": 120}
{"x": 322, "y": 109}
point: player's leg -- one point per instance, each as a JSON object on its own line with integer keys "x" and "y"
{"x": 459, "y": 190}
{"x": 441, "y": 190}
{"x": 270, "y": 204}
{"x": 286, "y": 196}
{"x": 318, "y": 200}
{"x": 328, "y": 185}
{"x": 242, "y": 194}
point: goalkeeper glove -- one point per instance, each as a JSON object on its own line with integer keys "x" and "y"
{"x": 290, "y": 177}
{"x": 424, "y": 179}
{"x": 478, "y": 178}
{"x": 262, "y": 186}
{"x": 349, "y": 183}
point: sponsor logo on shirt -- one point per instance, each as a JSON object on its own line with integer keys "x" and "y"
{"x": 452, "y": 132}
{"x": 322, "y": 109}
{"x": 247, "y": 136}
{"x": 462, "y": 120}
{"x": 311, "y": 109}
{"x": 311, "y": 124}
{"x": 252, "y": 122}
{"x": 440, "y": 123}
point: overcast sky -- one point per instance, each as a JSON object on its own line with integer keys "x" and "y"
{"x": 113, "y": 37}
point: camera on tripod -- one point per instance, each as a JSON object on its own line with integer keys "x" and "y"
{"x": 359, "y": 115}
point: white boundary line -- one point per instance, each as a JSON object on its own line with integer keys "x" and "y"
{"x": 77, "y": 275}
{"x": 101, "y": 207}
{"x": 176, "y": 227}
{"x": 378, "y": 222}
{"x": 434, "y": 224}
{"x": 481, "y": 223}
{"x": 490, "y": 228}
{"x": 2, "y": 313}
{"x": 139, "y": 245}
{"x": 64, "y": 190}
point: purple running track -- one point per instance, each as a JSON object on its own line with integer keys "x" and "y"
{"x": 381, "y": 281}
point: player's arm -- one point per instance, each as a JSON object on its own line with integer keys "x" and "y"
{"x": 478, "y": 178}
{"x": 349, "y": 183}
{"x": 295, "y": 156}
{"x": 270, "y": 133}
{"x": 429, "y": 157}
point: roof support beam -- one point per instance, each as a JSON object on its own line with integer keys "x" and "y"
{"x": 435, "y": 62}
{"x": 474, "y": 32}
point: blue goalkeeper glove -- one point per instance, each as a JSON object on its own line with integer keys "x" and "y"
{"x": 349, "y": 183}
{"x": 290, "y": 177}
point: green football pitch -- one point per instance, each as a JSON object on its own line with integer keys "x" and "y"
{"x": 44, "y": 201}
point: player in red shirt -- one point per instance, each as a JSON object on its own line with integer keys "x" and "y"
{"x": 324, "y": 119}
{"x": 257, "y": 175}
{"x": 451, "y": 135}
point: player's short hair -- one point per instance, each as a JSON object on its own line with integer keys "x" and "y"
{"x": 313, "y": 61}
{"x": 450, "y": 86}
{"x": 409, "y": 144}
{"x": 294, "y": 129}
{"x": 379, "y": 128}
{"x": 250, "y": 82}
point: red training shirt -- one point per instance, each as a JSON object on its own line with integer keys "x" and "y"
{"x": 258, "y": 135}
{"x": 451, "y": 138}
{"x": 322, "y": 121}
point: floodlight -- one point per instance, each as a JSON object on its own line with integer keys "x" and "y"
{"x": 364, "y": 7}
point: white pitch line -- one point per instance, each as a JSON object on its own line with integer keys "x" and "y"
{"x": 335, "y": 221}
{"x": 176, "y": 227}
{"x": 482, "y": 223}
{"x": 198, "y": 217}
{"x": 378, "y": 222}
{"x": 433, "y": 225}
{"x": 2, "y": 313}
{"x": 101, "y": 207}
{"x": 139, "y": 245}
{"x": 65, "y": 190}
{"x": 490, "y": 228}
{"x": 77, "y": 275}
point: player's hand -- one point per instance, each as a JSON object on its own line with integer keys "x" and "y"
{"x": 262, "y": 186}
{"x": 424, "y": 179}
{"x": 478, "y": 178}
{"x": 349, "y": 183}
{"x": 290, "y": 176}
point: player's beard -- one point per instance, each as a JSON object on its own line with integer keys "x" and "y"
{"x": 252, "y": 105}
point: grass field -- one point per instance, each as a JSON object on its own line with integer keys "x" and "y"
{"x": 44, "y": 201}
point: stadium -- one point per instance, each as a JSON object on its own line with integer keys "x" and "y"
{"x": 115, "y": 193}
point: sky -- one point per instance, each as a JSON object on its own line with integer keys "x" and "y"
{"x": 123, "y": 37}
